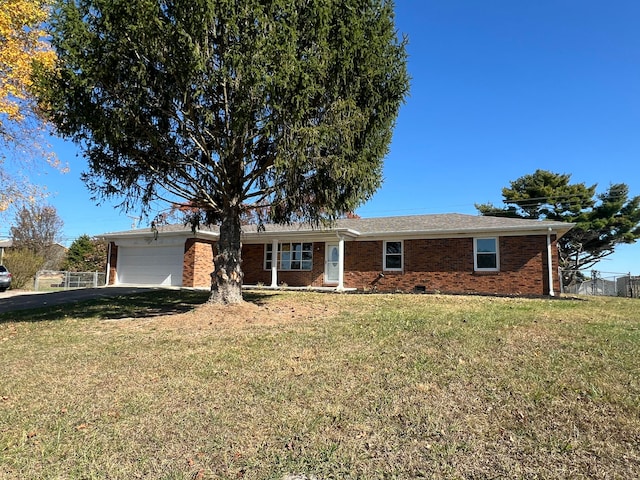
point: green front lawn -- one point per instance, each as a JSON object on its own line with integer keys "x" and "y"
{"x": 336, "y": 386}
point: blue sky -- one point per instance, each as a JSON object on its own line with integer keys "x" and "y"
{"x": 499, "y": 89}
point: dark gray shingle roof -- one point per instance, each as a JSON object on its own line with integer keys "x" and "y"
{"x": 455, "y": 223}
{"x": 446, "y": 222}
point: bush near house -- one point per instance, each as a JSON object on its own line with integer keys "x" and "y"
{"x": 23, "y": 264}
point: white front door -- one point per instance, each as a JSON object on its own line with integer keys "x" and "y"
{"x": 331, "y": 264}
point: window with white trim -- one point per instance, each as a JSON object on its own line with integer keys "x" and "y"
{"x": 485, "y": 254}
{"x": 290, "y": 256}
{"x": 393, "y": 255}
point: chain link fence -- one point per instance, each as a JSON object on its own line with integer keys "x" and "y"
{"x": 600, "y": 283}
{"x": 48, "y": 280}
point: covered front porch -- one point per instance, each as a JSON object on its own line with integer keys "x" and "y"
{"x": 281, "y": 256}
{"x": 323, "y": 289}
{"x": 304, "y": 259}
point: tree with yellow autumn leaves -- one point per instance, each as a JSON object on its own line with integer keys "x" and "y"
{"x": 23, "y": 48}
{"x": 22, "y": 45}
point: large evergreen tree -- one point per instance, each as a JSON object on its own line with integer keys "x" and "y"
{"x": 229, "y": 104}
{"x": 602, "y": 220}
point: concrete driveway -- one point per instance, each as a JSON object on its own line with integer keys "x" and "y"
{"x": 13, "y": 300}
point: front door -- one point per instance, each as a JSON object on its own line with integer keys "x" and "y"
{"x": 331, "y": 264}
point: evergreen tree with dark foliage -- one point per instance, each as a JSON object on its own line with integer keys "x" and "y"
{"x": 602, "y": 220}
{"x": 86, "y": 254}
{"x": 229, "y": 104}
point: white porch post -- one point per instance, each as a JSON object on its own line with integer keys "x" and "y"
{"x": 340, "y": 286}
{"x": 274, "y": 263}
{"x": 550, "y": 264}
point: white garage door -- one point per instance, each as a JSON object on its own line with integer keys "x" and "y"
{"x": 151, "y": 265}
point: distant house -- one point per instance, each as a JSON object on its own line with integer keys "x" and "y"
{"x": 4, "y": 244}
{"x": 55, "y": 254}
{"x": 451, "y": 253}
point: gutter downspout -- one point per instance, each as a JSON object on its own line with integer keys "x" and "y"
{"x": 550, "y": 263}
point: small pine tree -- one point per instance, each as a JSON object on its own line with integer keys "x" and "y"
{"x": 86, "y": 254}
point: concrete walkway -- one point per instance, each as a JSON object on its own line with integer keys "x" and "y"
{"x": 13, "y": 300}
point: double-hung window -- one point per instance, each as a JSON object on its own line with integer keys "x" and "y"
{"x": 290, "y": 256}
{"x": 393, "y": 255}
{"x": 485, "y": 254}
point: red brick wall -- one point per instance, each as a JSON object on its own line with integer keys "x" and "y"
{"x": 253, "y": 265}
{"x": 113, "y": 258}
{"x": 446, "y": 265}
{"x": 198, "y": 263}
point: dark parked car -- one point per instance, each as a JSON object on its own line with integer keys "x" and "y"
{"x": 5, "y": 278}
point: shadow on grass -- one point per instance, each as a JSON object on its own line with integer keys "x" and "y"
{"x": 142, "y": 304}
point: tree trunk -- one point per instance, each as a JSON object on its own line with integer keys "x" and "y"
{"x": 226, "y": 279}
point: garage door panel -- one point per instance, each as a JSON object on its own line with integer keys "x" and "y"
{"x": 150, "y": 265}
{"x": 147, "y": 278}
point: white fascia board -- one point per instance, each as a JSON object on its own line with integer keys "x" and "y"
{"x": 204, "y": 234}
{"x": 136, "y": 234}
{"x": 300, "y": 235}
{"x": 470, "y": 233}
{"x": 148, "y": 237}
{"x": 149, "y": 241}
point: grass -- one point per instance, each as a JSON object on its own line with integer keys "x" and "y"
{"x": 139, "y": 305}
{"x": 336, "y": 386}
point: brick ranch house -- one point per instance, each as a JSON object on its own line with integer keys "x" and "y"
{"x": 451, "y": 253}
